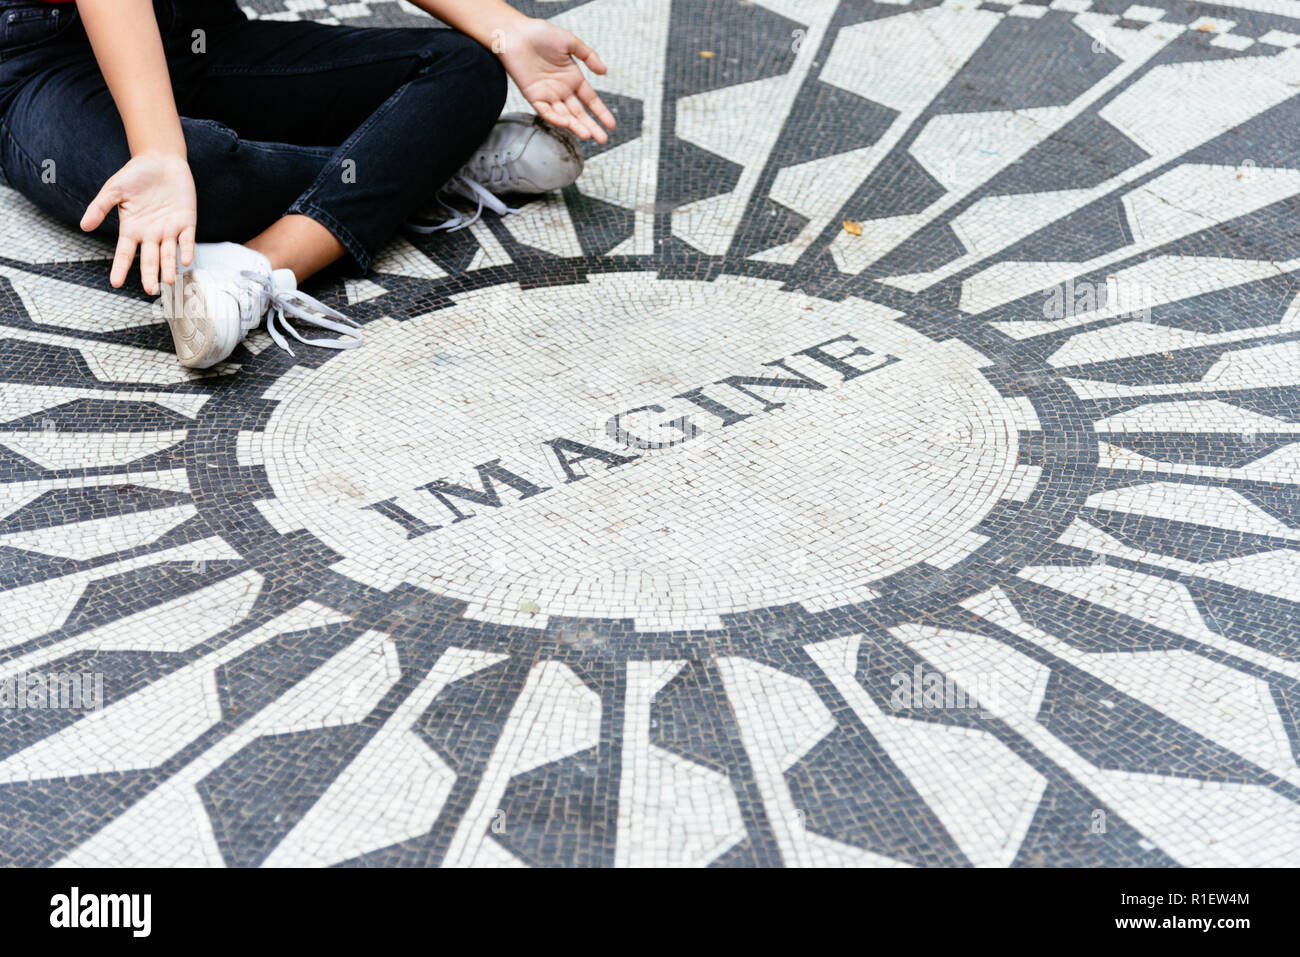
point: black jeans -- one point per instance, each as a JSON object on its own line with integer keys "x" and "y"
{"x": 354, "y": 127}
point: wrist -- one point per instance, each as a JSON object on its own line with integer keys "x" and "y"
{"x": 502, "y": 31}
{"x": 167, "y": 154}
{"x": 158, "y": 136}
{"x": 168, "y": 148}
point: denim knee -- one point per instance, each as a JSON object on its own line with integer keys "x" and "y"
{"x": 491, "y": 76}
{"x": 482, "y": 78}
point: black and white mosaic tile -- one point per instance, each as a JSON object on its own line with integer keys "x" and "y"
{"x": 888, "y": 453}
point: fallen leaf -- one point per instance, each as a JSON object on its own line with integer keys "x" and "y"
{"x": 1205, "y": 28}
{"x": 707, "y": 54}
{"x": 530, "y": 607}
{"x": 853, "y": 227}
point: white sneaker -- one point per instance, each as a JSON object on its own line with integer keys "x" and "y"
{"x": 522, "y": 154}
{"x": 228, "y": 290}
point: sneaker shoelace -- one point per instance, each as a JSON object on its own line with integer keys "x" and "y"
{"x": 498, "y": 172}
{"x": 310, "y": 310}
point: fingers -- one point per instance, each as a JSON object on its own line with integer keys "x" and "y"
{"x": 149, "y": 266}
{"x": 569, "y": 114}
{"x": 557, "y": 114}
{"x": 546, "y": 112}
{"x": 167, "y": 261}
{"x": 187, "y": 245}
{"x": 577, "y": 117}
{"x": 153, "y": 196}
{"x": 589, "y": 126}
{"x": 588, "y": 96}
{"x": 586, "y": 54}
{"x": 103, "y": 204}
{"x": 121, "y": 261}
{"x": 596, "y": 105}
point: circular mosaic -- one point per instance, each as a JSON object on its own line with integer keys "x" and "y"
{"x": 665, "y": 451}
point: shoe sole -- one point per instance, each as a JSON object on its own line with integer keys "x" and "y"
{"x": 204, "y": 331}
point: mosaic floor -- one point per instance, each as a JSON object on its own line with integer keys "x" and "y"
{"x": 887, "y": 454}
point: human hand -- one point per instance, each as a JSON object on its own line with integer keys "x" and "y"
{"x": 540, "y": 58}
{"x": 156, "y": 210}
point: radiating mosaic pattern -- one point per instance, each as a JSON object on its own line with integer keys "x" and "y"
{"x": 887, "y": 454}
